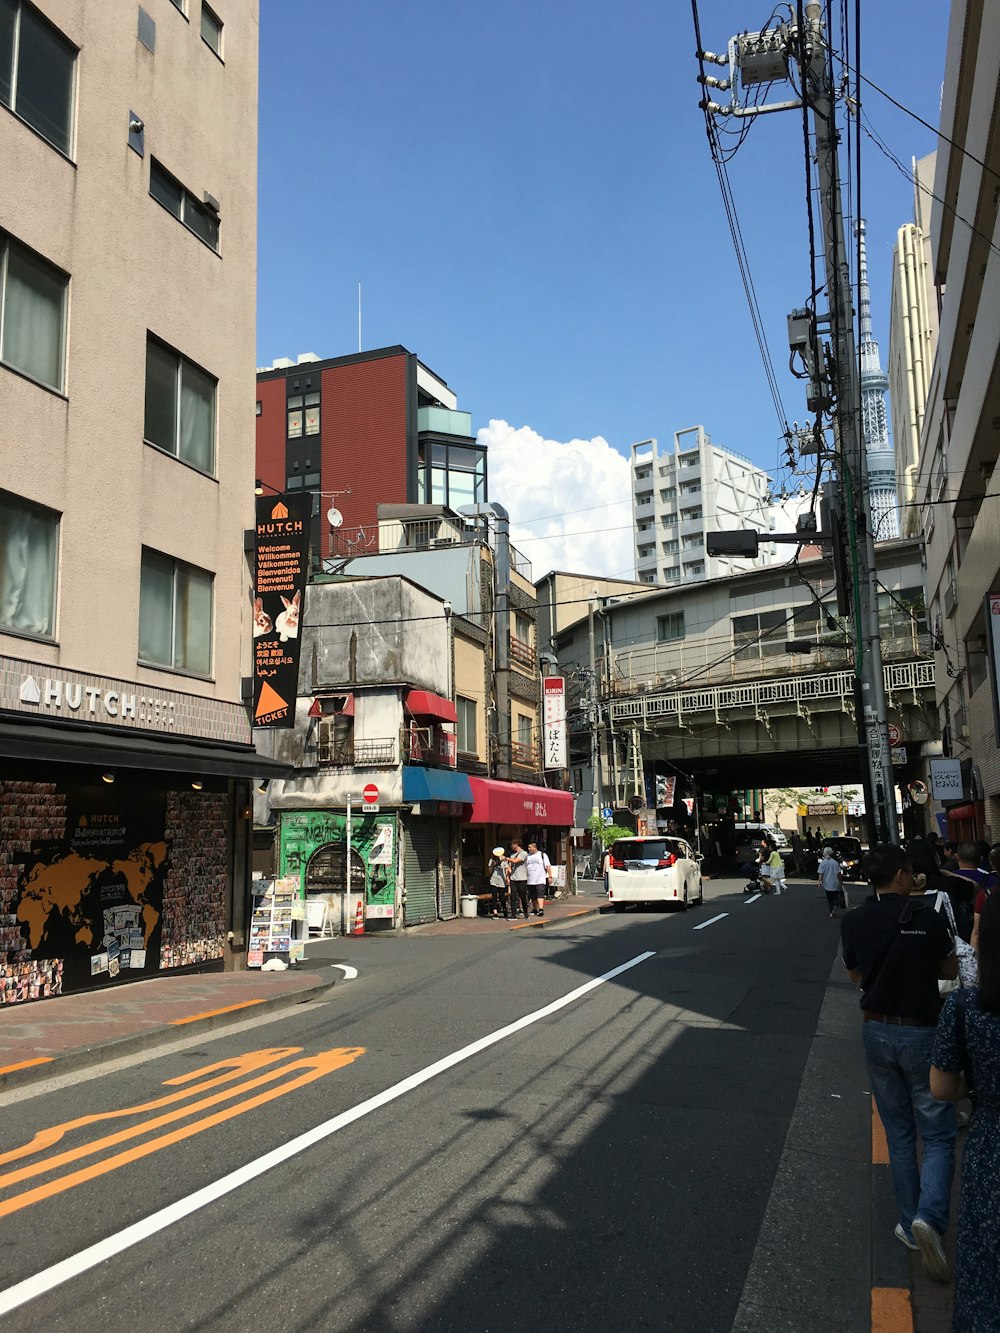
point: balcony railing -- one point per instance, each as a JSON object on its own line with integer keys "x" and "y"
{"x": 380, "y": 752}
{"x": 522, "y": 653}
{"x": 524, "y": 754}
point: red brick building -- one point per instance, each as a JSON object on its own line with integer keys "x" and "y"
{"x": 357, "y": 431}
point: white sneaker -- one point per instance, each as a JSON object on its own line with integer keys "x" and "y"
{"x": 931, "y": 1250}
{"x": 902, "y": 1236}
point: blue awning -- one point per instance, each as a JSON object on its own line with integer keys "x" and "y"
{"x": 435, "y": 784}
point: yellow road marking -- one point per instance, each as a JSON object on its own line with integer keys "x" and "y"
{"x": 26, "y": 1064}
{"x": 245, "y": 1004}
{"x": 880, "y": 1147}
{"x": 236, "y": 1067}
{"x": 891, "y": 1310}
{"x": 313, "y": 1067}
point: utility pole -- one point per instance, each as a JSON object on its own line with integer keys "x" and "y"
{"x": 759, "y": 57}
{"x": 595, "y": 720}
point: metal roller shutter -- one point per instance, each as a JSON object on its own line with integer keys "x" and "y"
{"x": 420, "y": 871}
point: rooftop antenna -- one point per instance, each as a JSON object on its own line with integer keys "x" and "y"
{"x": 359, "y": 314}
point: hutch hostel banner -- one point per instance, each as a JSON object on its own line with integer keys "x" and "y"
{"x": 280, "y": 566}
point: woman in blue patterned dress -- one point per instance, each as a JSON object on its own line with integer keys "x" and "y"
{"x": 967, "y": 1053}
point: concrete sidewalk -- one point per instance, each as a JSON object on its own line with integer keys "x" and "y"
{"x": 50, "y": 1037}
{"x": 557, "y": 911}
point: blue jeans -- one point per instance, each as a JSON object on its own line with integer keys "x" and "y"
{"x": 899, "y": 1063}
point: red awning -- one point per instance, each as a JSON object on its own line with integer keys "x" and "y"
{"x": 422, "y": 703}
{"x": 518, "y": 803}
{"x": 962, "y": 813}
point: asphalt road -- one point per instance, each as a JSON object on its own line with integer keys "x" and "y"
{"x": 608, "y": 1159}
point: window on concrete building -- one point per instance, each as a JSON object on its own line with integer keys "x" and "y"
{"x": 32, "y": 313}
{"x": 175, "y": 198}
{"x": 466, "y": 730}
{"x": 180, "y": 406}
{"x": 670, "y": 627}
{"x": 175, "y": 615}
{"x": 37, "y": 66}
{"x": 211, "y": 29}
{"x": 760, "y": 635}
{"x": 29, "y": 543}
{"x": 670, "y": 547}
{"x": 295, "y": 416}
{"x": 902, "y": 621}
{"x": 695, "y": 569}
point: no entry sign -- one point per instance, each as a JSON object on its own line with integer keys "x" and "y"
{"x": 370, "y": 794}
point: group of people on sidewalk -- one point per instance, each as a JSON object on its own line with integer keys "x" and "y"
{"x": 518, "y": 878}
{"x": 931, "y": 1035}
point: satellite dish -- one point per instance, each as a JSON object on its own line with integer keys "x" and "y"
{"x": 334, "y": 517}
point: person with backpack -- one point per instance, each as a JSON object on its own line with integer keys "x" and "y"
{"x": 896, "y": 947}
{"x": 981, "y": 882}
{"x": 539, "y": 874}
{"x": 966, "y": 1061}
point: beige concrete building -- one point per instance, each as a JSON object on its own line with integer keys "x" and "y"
{"x": 127, "y": 288}
{"x": 958, "y": 481}
{"x": 913, "y": 326}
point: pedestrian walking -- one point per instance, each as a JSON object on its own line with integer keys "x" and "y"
{"x": 897, "y": 947}
{"x": 967, "y": 1057}
{"x": 500, "y": 885}
{"x": 775, "y": 867}
{"x": 539, "y": 873}
{"x": 796, "y": 844}
{"x": 831, "y": 877}
{"x": 517, "y": 865}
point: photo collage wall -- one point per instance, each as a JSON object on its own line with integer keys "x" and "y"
{"x": 107, "y": 882}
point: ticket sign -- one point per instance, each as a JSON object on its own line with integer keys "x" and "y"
{"x": 280, "y": 567}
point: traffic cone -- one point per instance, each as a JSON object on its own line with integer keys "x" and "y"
{"x": 359, "y": 920}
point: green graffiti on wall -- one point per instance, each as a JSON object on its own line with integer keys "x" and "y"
{"x": 313, "y": 845}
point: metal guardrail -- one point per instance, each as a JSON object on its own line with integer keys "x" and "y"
{"x": 795, "y": 691}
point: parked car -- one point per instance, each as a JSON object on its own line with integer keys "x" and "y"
{"x": 653, "y": 870}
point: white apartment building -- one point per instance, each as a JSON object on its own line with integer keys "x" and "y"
{"x": 127, "y": 292}
{"x": 959, "y": 479}
{"x": 679, "y": 496}
{"x": 913, "y": 325}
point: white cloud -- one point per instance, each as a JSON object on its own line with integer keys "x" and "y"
{"x": 570, "y": 504}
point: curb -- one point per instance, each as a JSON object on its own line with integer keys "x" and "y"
{"x": 558, "y": 920}
{"x": 85, "y": 1057}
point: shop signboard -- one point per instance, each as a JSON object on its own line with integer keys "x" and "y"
{"x": 282, "y": 553}
{"x": 554, "y": 721}
{"x": 946, "y": 779}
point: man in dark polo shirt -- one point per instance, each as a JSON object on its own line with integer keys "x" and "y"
{"x": 896, "y": 946}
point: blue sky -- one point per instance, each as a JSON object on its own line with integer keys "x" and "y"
{"x": 526, "y": 192}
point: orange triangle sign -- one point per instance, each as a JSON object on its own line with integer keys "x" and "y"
{"x": 270, "y": 701}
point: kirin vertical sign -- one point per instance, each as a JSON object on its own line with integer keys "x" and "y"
{"x": 554, "y": 721}
{"x": 279, "y": 585}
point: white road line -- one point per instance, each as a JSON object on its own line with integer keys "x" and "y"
{"x": 751, "y": 900}
{"x": 50, "y": 1278}
{"x": 710, "y": 922}
{"x": 349, "y": 972}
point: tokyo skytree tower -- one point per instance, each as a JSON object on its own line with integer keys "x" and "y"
{"x": 875, "y": 433}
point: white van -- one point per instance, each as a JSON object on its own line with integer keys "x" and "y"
{"x": 752, "y": 828}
